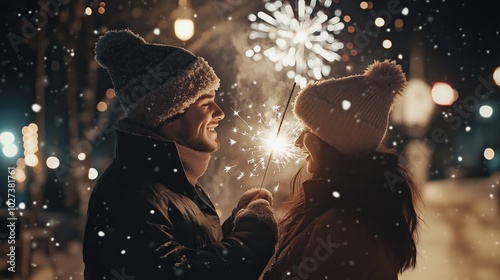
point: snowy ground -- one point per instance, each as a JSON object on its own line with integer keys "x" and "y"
{"x": 460, "y": 239}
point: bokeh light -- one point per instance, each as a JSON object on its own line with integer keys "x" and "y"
{"x": 398, "y": 24}
{"x": 36, "y": 108}
{"x": 9, "y": 150}
{"x": 489, "y": 153}
{"x": 496, "y": 76}
{"x": 110, "y": 93}
{"x": 442, "y": 94}
{"x": 93, "y": 173}
{"x": 387, "y": 44}
{"x": 184, "y": 29}
{"x": 102, "y": 106}
{"x": 7, "y": 138}
{"x": 20, "y": 175}
{"x": 52, "y": 162}
{"x": 20, "y": 163}
{"x": 31, "y": 160}
{"x": 455, "y": 95}
{"x": 486, "y": 111}
{"x": 33, "y": 127}
{"x": 379, "y": 22}
{"x": 30, "y": 144}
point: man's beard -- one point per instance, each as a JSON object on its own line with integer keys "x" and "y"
{"x": 202, "y": 146}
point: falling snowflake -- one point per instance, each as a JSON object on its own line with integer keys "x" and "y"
{"x": 301, "y": 42}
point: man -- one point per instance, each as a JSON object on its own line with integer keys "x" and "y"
{"x": 148, "y": 217}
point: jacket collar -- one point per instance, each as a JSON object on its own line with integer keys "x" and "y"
{"x": 322, "y": 191}
{"x": 333, "y": 193}
{"x": 159, "y": 160}
{"x": 353, "y": 193}
{"x": 152, "y": 157}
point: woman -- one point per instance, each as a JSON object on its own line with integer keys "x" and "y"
{"x": 354, "y": 218}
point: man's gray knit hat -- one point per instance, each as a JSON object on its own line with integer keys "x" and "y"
{"x": 153, "y": 82}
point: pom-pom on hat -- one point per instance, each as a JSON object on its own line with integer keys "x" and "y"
{"x": 153, "y": 82}
{"x": 352, "y": 113}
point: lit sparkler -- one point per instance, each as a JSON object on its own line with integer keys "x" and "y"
{"x": 266, "y": 142}
{"x": 304, "y": 41}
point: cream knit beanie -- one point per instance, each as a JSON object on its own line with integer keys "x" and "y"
{"x": 153, "y": 82}
{"x": 352, "y": 113}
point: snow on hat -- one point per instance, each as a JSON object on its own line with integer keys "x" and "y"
{"x": 352, "y": 113}
{"x": 153, "y": 82}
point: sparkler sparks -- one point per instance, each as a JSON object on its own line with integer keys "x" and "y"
{"x": 303, "y": 42}
{"x": 265, "y": 142}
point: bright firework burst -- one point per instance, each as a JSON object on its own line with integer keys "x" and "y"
{"x": 265, "y": 142}
{"x": 305, "y": 41}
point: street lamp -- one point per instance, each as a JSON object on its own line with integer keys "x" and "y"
{"x": 184, "y": 25}
{"x": 414, "y": 111}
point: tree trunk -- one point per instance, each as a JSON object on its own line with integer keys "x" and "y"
{"x": 40, "y": 170}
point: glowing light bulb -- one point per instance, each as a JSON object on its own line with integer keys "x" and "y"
{"x": 184, "y": 29}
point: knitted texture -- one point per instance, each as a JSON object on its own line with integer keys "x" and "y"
{"x": 352, "y": 113}
{"x": 153, "y": 82}
{"x": 261, "y": 210}
{"x": 253, "y": 194}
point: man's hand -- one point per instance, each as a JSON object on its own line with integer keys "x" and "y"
{"x": 247, "y": 197}
{"x": 261, "y": 210}
{"x": 251, "y": 195}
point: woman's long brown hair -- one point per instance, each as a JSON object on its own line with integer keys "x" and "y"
{"x": 391, "y": 214}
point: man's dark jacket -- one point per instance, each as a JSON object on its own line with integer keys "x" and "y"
{"x": 146, "y": 221}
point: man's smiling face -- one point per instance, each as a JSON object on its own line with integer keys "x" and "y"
{"x": 195, "y": 128}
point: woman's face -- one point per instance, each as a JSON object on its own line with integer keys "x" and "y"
{"x": 311, "y": 146}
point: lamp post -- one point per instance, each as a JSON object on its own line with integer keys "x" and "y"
{"x": 414, "y": 110}
{"x": 183, "y": 25}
